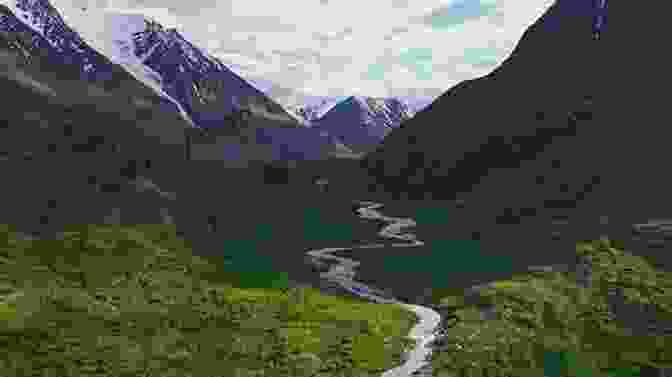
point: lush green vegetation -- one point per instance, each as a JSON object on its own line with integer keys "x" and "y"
{"x": 514, "y": 327}
{"x": 134, "y": 301}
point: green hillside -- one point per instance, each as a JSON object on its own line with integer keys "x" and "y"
{"x": 613, "y": 321}
{"x": 134, "y": 301}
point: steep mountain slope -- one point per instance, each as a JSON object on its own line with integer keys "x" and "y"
{"x": 36, "y": 30}
{"x": 185, "y": 78}
{"x": 570, "y": 127}
{"x": 362, "y": 122}
{"x": 161, "y": 58}
{"x": 71, "y": 152}
{"x": 498, "y": 120}
{"x": 417, "y": 104}
{"x": 207, "y": 89}
{"x": 316, "y": 109}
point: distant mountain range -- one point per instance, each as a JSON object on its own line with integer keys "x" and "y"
{"x": 319, "y": 106}
{"x": 362, "y": 122}
{"x": 195, "y": 84}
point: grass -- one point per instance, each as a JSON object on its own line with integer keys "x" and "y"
{"x": 542, "y": 313}
{"x": 134, "y": 301}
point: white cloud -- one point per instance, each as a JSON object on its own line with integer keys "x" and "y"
{"x": 331, "y": 48}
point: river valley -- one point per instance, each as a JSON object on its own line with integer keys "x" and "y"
{"x": 343, "y": 271}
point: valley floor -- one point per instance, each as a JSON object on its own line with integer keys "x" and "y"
{"x": 134, "y": 301}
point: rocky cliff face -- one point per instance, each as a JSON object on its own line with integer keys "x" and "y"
{"x": 200, "y": 82}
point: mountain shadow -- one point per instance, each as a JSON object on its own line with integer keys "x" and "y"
{"x": 567, "y": 126}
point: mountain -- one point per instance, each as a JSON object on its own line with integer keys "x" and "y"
{"x": 312, "y": 108}
{"x": 183, "y": 78}
{"x": 500, "y": 119}
{"x": 194, "y": 81}
{"x": 416, "y": 104}
{"x": 211, "y": 94}
{"x": 335, "y": 117}
{"x": 72, "y": 152}
{"x": 36, "y": 30}
{"x": 571, "y": 125}
{"x": 208, "y": 90}
{"x": 362, "y": 122}
{"x": 298, "y": 114}
{"x": 537, "y": 117}
{"x": 316, "y": 110}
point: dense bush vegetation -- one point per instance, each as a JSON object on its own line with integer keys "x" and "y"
{"x": 610, "y": 315}
{"x": 133, "y": 301}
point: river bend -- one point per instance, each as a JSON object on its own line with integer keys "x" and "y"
{"x": 343, "y": 272}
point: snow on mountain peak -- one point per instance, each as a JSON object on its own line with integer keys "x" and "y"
{"x": 38, "y": 14}
{"x": 83, "y": 47}
{"x": 44, "y": 19}
{"x": 140, "y": 36}
{"x": 386, "y": 111}
{"x": 362, "y": 122}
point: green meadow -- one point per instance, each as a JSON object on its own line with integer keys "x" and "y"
{"x": 549, "y": 324}
{"x": 134, "y": 301}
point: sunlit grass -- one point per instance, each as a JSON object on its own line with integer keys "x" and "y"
{"x": 538, "y": 314}
{"x": 7, "y": 311}
{"x": 506, "y": 284}
{"x": 139, "y": 290}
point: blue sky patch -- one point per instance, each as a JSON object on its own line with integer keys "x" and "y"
{"x": 458, "y": 13}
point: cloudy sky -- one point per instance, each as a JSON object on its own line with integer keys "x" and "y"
{"x": 338, "y": 48}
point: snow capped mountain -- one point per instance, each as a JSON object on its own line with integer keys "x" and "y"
{"x": 312, "y": 108}
{"x": 317, "y": 110}
{"x": 362, "y": 122}
{"x": 390, "y": 111}
{"x": 138, "y": 57}
{"x": 298, "y": 113}
{"x": 206, "y": 88}
{"x": 416, "y": 104}
{"x": 199, "y": 85}
{"x": 36, "y": 28}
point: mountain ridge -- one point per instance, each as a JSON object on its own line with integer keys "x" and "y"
{"x": 199, "y": 81}
{"x": 203, "y": 85}
{"x": 49, "y": 37}
{"x": 419, "y": 156}
{"x": 362, "y": 122}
